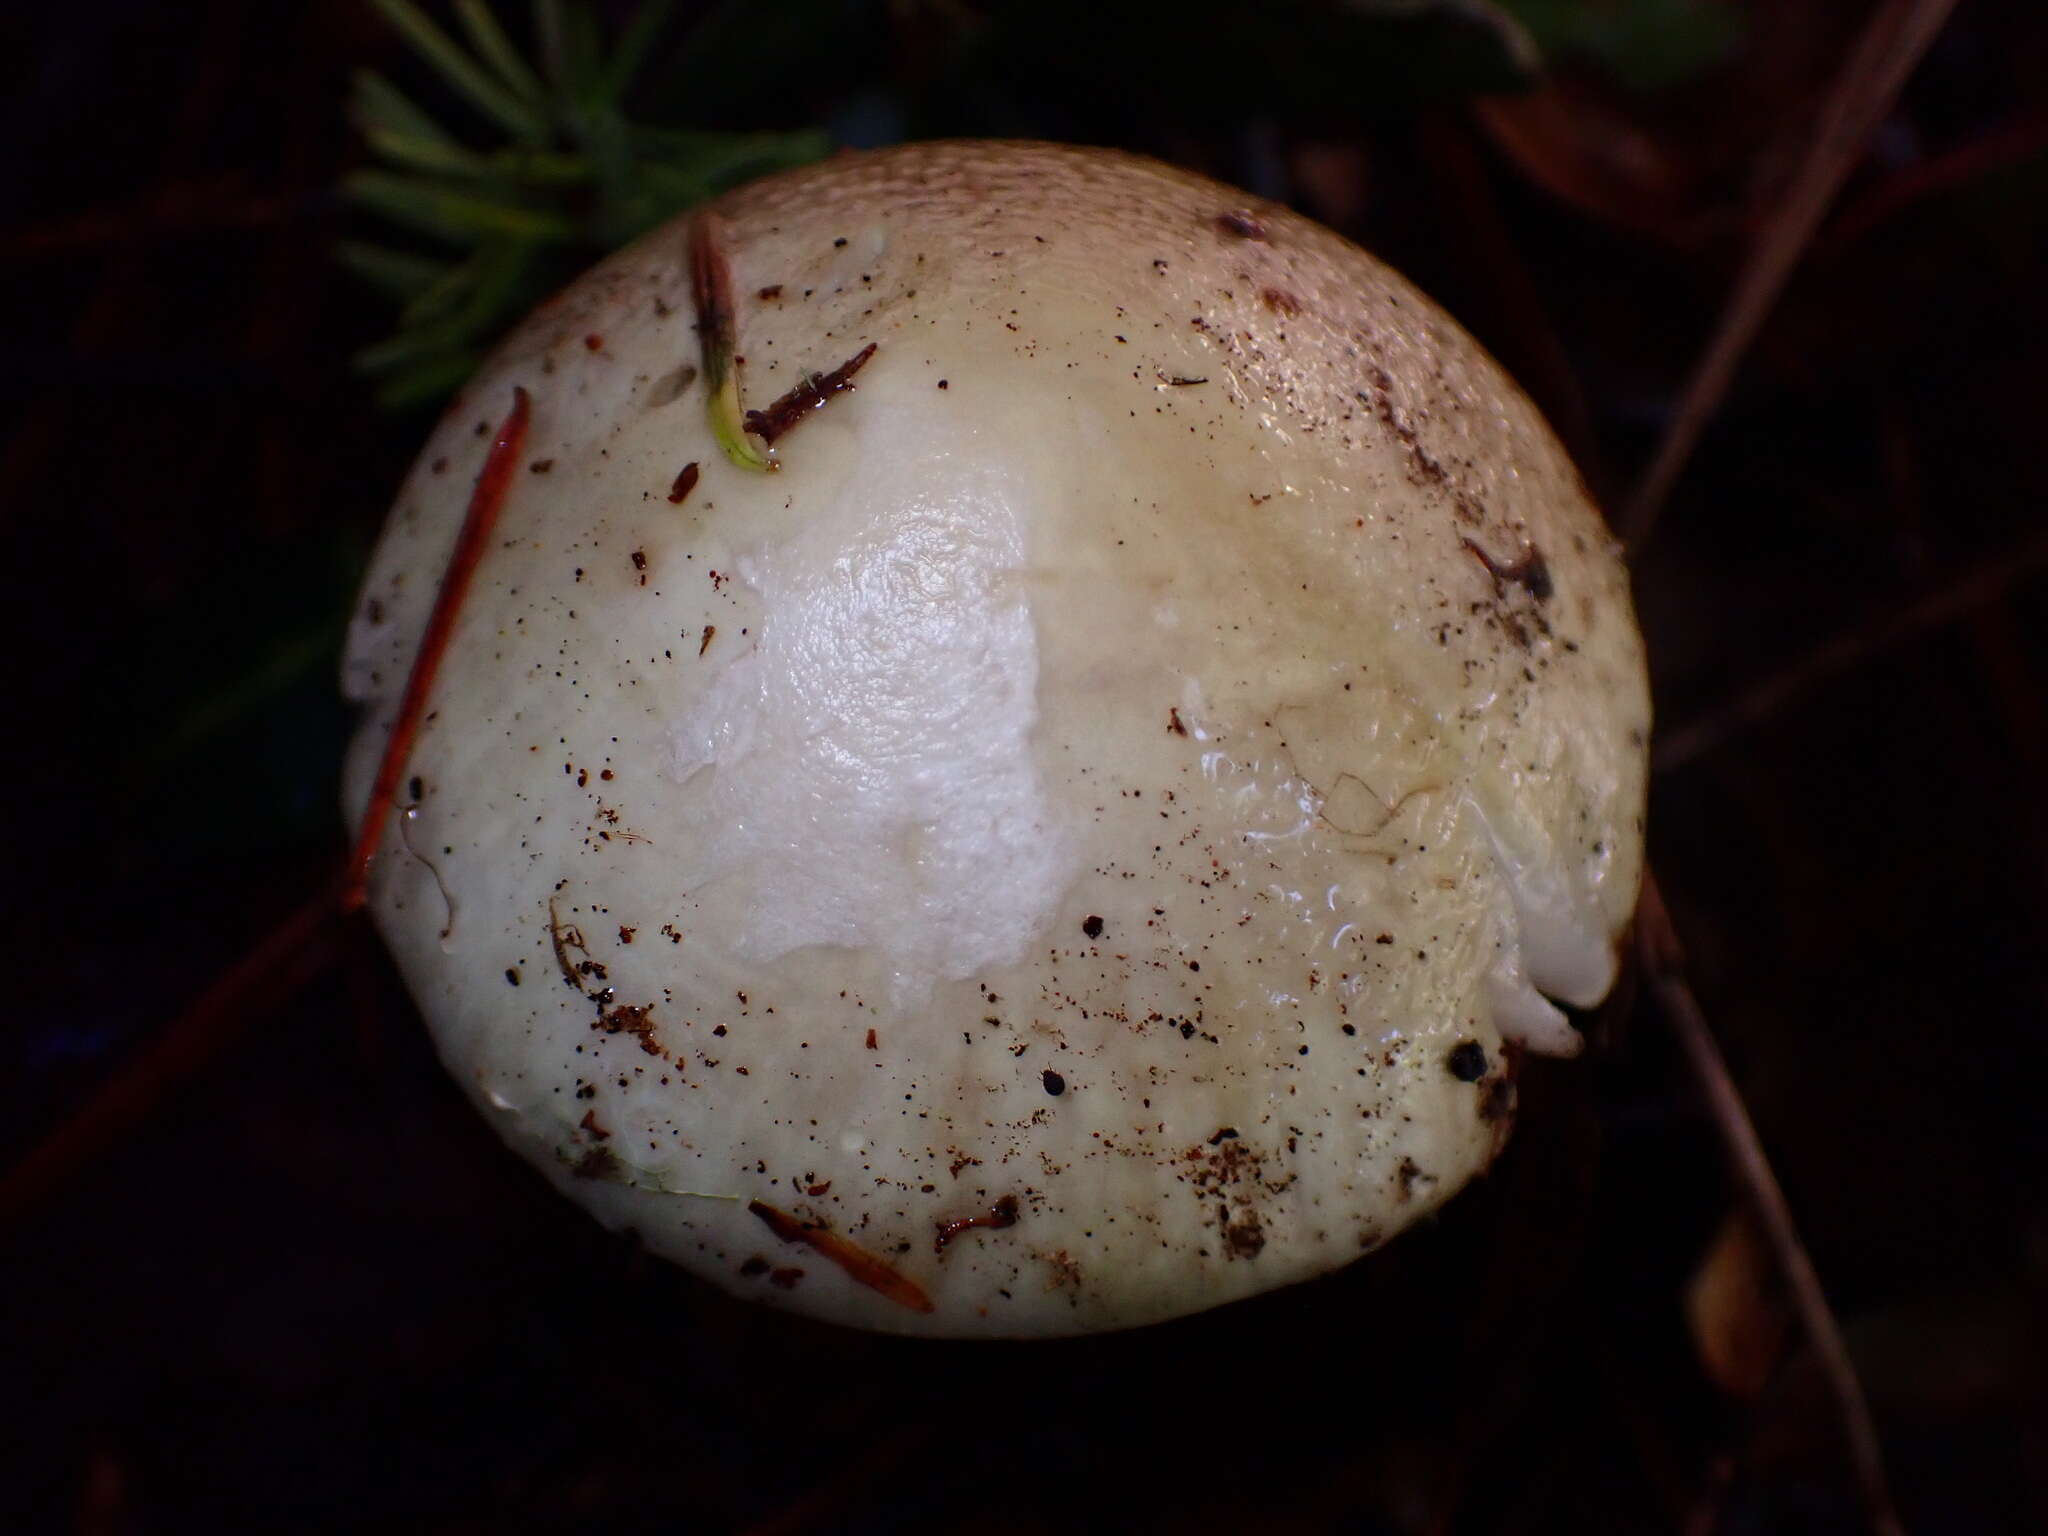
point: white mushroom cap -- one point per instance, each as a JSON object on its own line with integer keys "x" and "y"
{"x": 1070, "y": 847}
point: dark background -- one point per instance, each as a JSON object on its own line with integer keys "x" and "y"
{"x": 260, "y": 1269}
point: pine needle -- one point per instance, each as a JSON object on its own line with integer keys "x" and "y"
{"x": 571, "y": 177}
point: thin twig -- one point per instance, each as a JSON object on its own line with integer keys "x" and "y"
{"x": 1974, "y": 588}
{"x": 182, "y": 211}
{"x": 1663, "y": 963}
{"x": 2013, "y": 143}
{"x": 117, "y": 309}
{"x": 286, "y": 959}
{"x": 1871, "y": 77}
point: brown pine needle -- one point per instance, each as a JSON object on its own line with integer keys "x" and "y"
{"x": 1976, "y": 587}
{"x": 286, "y": 959}
{"x": 1663, "y": 963}
{"x": 1871, "y": 77}
{"x": 2020, "y": 138}
{"x": 493, "y": 484}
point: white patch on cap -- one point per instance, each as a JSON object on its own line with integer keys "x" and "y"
{"x": 873, "y": 782}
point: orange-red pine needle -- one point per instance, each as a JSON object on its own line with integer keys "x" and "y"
{"x": 485, "y": 503}
{"x": 858, "y": 1263}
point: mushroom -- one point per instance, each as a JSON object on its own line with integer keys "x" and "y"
{"x": 1075, "y": 831}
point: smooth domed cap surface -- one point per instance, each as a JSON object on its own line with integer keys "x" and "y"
{"x": 1069, "y": 847}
